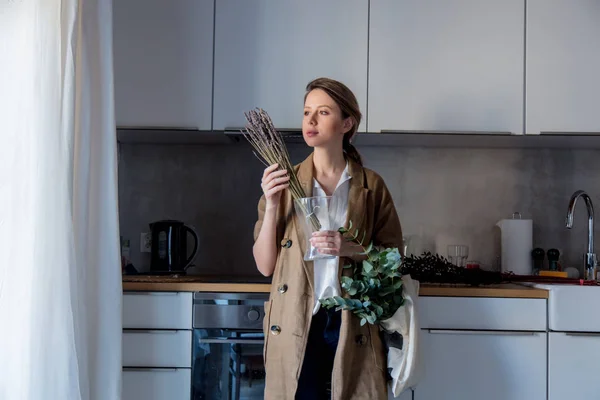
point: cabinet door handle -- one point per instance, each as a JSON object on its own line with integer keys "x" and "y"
{"x": 151, "y": 293}
{"x": 481, "y": 333}
{"x": 232, "y": 341}
{"x": 170, "y": 331}
{"x": 444, "y": 132}
{"x": 137, "y": 369}
{"x": 585, "y": 334}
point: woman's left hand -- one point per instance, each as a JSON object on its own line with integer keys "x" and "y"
{"x": 332, "y": 242}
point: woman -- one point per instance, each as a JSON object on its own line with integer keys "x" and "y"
{"x": 307, "y": 346}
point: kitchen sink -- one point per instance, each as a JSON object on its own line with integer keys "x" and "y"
{"x": 573, "y": 308}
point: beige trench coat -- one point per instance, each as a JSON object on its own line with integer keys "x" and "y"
{"x": 360, "y": 363}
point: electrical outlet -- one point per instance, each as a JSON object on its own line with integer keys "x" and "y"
{"x": 145, "y": 242}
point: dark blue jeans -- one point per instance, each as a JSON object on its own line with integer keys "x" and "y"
{"x": 315, "y": 378}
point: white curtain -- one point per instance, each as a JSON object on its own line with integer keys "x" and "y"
{"x": 60, "y": 279}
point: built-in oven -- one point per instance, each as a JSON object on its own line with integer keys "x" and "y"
{"x": 227, "y": 350}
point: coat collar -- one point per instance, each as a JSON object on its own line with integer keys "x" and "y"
{"x": 357, "y": 202}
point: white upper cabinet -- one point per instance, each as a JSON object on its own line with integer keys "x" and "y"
{"x": 163, "y": 63}
{"x": 446, "y": 65}
{"x": 563, "y": 66}
{"x": 266, "y": 51}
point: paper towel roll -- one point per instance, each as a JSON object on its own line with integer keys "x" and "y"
{"x": 516, "y": 243}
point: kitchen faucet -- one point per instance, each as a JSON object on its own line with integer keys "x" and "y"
{"x": 589, "y": 259}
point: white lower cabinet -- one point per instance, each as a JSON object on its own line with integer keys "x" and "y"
{"x": 156, "y": 384}
{"x": 157, "y": 310}
{"x": 573, "y": 360}
{"x": 470, "y": 349}
{"x": 157, "y": 346}
{"x": 478, "y": 365}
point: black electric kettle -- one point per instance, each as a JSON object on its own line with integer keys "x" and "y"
{"x": 169, "y": 253}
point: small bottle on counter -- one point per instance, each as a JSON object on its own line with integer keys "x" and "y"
{"x": 553, "y": 255}
{"x": 538, "y": 255}
{"x": 125, "y": 254}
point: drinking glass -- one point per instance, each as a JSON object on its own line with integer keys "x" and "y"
{"x": 457, "y": 254}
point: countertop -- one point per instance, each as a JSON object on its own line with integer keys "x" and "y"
{"x": 262, "y": 285}
{"x": 195, "y": 283}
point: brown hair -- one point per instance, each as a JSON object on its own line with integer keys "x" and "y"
{"x": 348, "y": 104}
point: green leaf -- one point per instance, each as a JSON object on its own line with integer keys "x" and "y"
{"x": 352, "y": 291}
{"x": 361, "y": 289}
{"x": 366, "y": 303}
{"x": 364, "y": 287}
{"x": 378, "y": 310}
{"x": 363, "y": 321}
{"x": 357, "y": 303}
{"x": 398, "y": 284}
{"x": 382, "y": 258}
{"x": 367, "y": 266}
{"x": 339, "y": 300}
{"x": 349, "y": 225}
{"x": 393, "y": 255}
{"x": 372, "y": 274}
{"x": 371, "y": 318}
{"x": 346, "y": 281}
{"x": 358, "y": 285}
{"x": 327, "y": 303}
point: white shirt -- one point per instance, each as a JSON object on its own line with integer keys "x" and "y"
{"x": 327, "y": 283}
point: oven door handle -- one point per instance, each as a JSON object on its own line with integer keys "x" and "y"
{"x": 232, "y": 341}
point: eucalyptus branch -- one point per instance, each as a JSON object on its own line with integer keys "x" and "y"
{"x": 373, "y": 291}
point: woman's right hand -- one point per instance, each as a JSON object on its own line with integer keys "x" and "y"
{"x": 273, "y": 183}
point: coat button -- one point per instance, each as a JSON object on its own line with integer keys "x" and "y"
{"x": 361, "y": 340}
{"x": 287, "y": 243}
{"x": 282, "y": 289}
{"x": 275, "y": 330}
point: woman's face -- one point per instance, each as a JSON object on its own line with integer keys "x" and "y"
{"x": 323, "y": 124}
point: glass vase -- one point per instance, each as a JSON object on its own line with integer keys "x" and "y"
{"x": 313, "y": 215}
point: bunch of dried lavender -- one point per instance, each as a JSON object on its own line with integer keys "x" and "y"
{"x": 270, "y": 149}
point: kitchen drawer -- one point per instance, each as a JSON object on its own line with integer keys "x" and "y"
{"x": 482, "y": 313}
{"x": 478, "y": 365}
{"x": 160, "y": 348}
{"x": 157, "y": 310}
{"x": 156, "y": 384}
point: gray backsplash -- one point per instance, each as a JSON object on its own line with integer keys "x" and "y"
{"x": 443, "y": 196}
